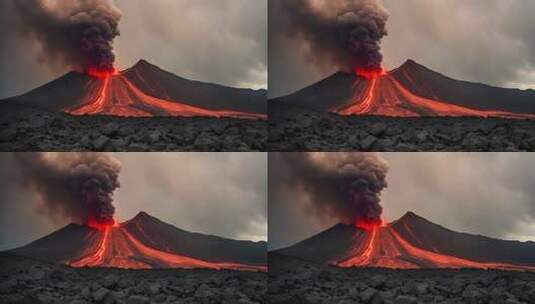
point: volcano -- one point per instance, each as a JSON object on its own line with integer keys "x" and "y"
{"x": 144, "y": 242}
{"x": 143, "y": 90}
{"x": 412, "y": 242}
{"x": 412, "y": 90}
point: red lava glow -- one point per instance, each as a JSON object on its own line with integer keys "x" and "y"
{"x": 368, "y": 224}
{"x": 114, "y": 246}
{"x": 110, "y": 93}
{"x": 384, "y": 95}
{"x": 384, "y": 247}
{"x": 102, "y": 74}
{"x": 370, "y": 73}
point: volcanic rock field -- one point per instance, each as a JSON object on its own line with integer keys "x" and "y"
{"x": 26, "y": 129}
{"x": 27, "y": 281}
{"x": 295, "y": 281}
{"x": 298, "y": 129}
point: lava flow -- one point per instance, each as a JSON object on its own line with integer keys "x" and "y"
{"x": 111, "y": 93}
{"x": 384, "y": 247}
{"x": 114, "y": 246}
{"x": 385, "y": 95}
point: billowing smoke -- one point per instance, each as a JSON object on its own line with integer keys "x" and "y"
{"x": 77, "y": 34}
{"x": 342, "y": 185}
{"x": 73, "y": 186}
{"x": 343, "y": 33}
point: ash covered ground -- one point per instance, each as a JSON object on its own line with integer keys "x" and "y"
{"x": 27, "y": 281}
{"x": 298, "y": 129}
{"x": 296, "y": 281}
{"x": 26, "y": 129}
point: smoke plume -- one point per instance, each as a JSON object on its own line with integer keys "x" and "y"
{"x": 73, "y": 186}
{"x": 342, "y": 185}
{"x": 343, "y": 33}
{"x": 71, "y": 33}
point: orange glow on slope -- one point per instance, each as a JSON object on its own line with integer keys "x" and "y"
{"x": 386, "y": 96}
{"x": 384, "y": 247}
{"x": 119, "y": 249}
{"x": 116, "y": 95}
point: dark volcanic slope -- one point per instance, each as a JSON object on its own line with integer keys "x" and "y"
{"x": 157, "y": 234}
{"x": 427, "y": 83}
{"x": 64, "y": 244}
{"x": 432, "y": 237}
{"x": 56, "y": 95}
{"x": 329, "y": 93}
{"x": 74, "y": 241}
{"x": 70, "y": 90}
{"x": 325, "y": 247}
{"x": 156, "y": 82}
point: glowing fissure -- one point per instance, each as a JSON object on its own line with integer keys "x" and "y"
{"x": 386, "y": 96}
{"x": 384, "y": 247}
{"x": 118, "y": 248}
{"x": 118, "y": 96}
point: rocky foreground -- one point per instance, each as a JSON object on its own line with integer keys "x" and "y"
{"x": 25, "y": 129}
{"x": 24, "y": 281}
{"x": 297, "y": 129}
{"x": 294, "y": 281}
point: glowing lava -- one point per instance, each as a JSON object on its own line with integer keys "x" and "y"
{"x": 102, "y": 74}
{"x": 368, "y": 224}
{"x": 385, "y": 95}
{"x": 114, "y": 246}
{"x": 370, "y": 73}
{"x": 110, "y": 93}
{"x": 384, "y": 247}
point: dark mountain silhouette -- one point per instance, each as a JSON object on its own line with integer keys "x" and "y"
{"x": 144, "y": 242}
{"x": 411, "y": 90}
{"x": 412, "y": 242}
{"x": 143, "y": 90}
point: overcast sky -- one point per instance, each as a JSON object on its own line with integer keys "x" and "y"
{"x": 489, "y": 41}
{"x": 223, "y": 194}
{"x": 223, "y": 41}
{"x": 492, "y": 194}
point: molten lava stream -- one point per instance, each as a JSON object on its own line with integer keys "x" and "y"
{"x": 385, "y": 95}
{"x": 386, "y": 248}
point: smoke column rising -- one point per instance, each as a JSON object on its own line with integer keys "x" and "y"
{"x": 77, "y": 34}
{"x": 73, "y": 186}
{"x": 343, "y": 33}
{"x": 342, "y": 185}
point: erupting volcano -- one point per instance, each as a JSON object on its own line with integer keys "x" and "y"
{"x": 411, "y": 90}
{"x": 143, "y": 91}
{"x": 412, "y": 242}
{"x": 144, "y": 242}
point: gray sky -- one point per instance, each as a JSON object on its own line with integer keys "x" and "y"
{"x": 492, "y": 194}
{"x": 223, "y": 41}
{"x": 223, "y": 194}
{"x": 487, "y": 41}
